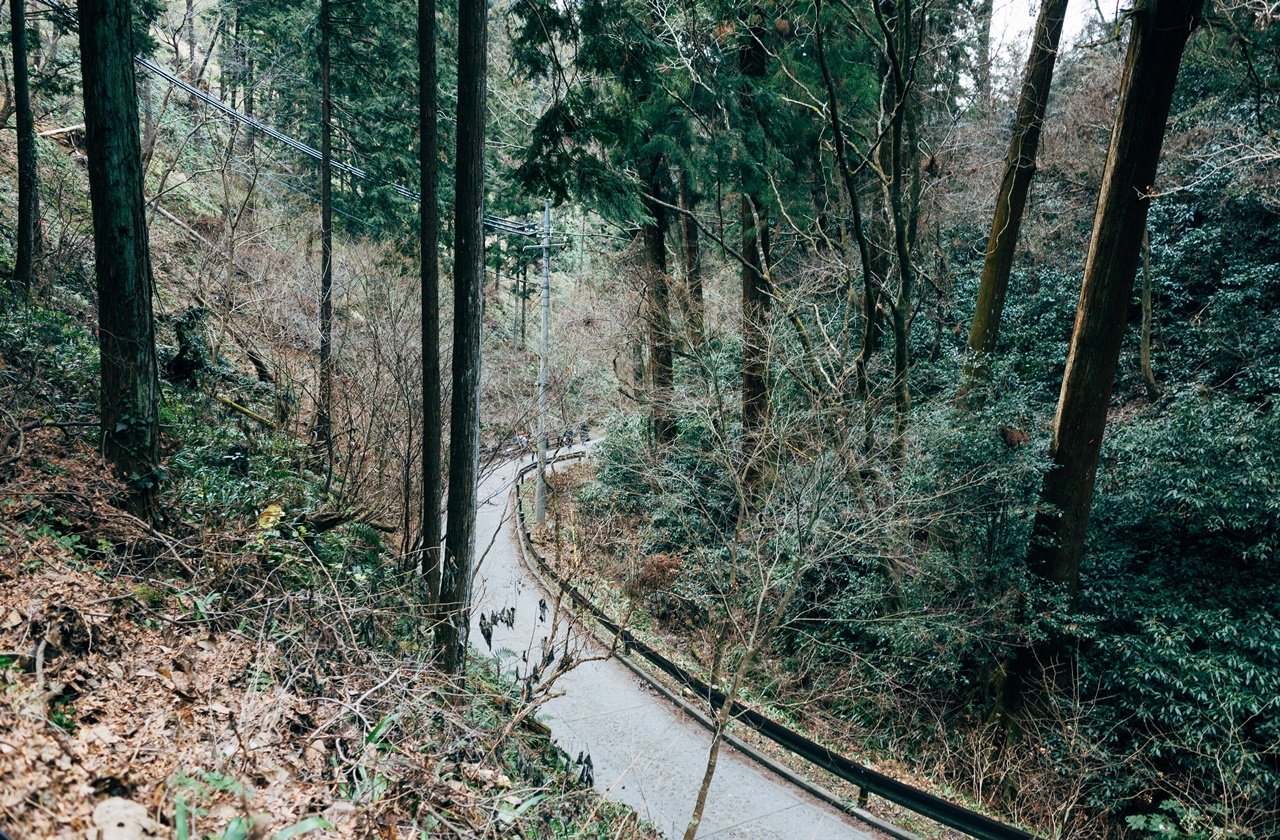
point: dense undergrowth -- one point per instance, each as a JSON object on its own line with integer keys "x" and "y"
{"x": 266, "y": 627}
{"x": 280, "y": 660}
{"x": 913, "y": 593}
{"x": 1172, "y": 713}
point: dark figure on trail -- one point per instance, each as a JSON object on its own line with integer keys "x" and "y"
{"x": 587, "y": 775}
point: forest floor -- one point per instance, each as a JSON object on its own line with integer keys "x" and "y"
{"x": 150, "y": 688}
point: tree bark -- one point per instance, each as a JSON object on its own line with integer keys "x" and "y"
{"x": 1158, "y": 35}
{"x": 189, "y": 34}
{"x": 468, "y": 282}
{"x": 126, "y": 331}
{"x": 983, "y": 63}
{"x": 1144, "y": 352}
{"x": 753, "y": 59}
{"x": 695, "y": 306}
{"x": 429, "y": 219}
{"x": 324, "y": 402}
{"x": 249, "y": 106}
{"x": 755, "y": 328}
{"x": 1015, "y": 184}
{"x": 902, "y": 33}
{"x": 28, "y": 179}
{"x": 857, "y": 229}
{"x": 659, "y": 285}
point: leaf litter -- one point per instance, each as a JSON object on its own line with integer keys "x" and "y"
{"x": 120, "y": 720}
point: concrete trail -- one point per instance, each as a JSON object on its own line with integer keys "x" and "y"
{"x": 644, "y": 752}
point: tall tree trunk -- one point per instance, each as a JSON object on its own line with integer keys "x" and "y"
{"x": 468, "y": 283}
{"x": 695, "y": 306}
{"x": 324, "y": 402}
{"x": 1144, "y": 351}
{"x": 189, "y": 33}
{"x": 126, "y": 331}
{"x": 982, "y": 21}
{"x": 429, "y": 219}
{"x": 515, "y": 303}
{"x": 753, "y": 59}
{"x": 28, "y": 183}
{"x": 659, "y": 285}
{"x": 857, "y": 228}
{"x": 249, "y": 107}
{"x": 755, "y": 329}
{"x": 1158, "y": 35}
{"x": 1011, "y": 202}
{"x": 902, "y": 33}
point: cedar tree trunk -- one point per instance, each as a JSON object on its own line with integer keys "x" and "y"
{"x": 126, "y": 330}
{"x": 468, "y": 281}
{"x": 753, "y": 59}
{"x": 429, "y": 219}
{"x": 1011, "y": 202}
{"x": 1158, "y": 35}
{"x": 660, "y": 364}
{"x": 28, "y": 197}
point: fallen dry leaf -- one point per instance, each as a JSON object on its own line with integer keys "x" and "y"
{"x": 123, "y": 819}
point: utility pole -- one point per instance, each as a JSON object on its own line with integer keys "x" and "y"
{"x": 540, "y": 497}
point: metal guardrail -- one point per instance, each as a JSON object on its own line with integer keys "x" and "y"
{"x": 867, "y": 780}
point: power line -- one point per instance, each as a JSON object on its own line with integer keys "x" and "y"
{"x": 259, "y": 125}
{"x": 496, "y": 223}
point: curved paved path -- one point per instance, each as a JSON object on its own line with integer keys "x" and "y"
{"x": 645, "y": 752}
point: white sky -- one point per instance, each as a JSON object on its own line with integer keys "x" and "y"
{"x": 1013, "y": 20}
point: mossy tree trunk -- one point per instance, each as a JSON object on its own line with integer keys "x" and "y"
{"x": 1015, "y": 184}
{"x": 1159, "y": 33}
{"x": 126, "y": 330}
